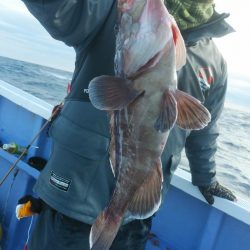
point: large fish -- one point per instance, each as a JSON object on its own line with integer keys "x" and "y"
{"x": 144, "y": 104}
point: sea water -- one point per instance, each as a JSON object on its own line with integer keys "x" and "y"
{"x": 233, "y": 154}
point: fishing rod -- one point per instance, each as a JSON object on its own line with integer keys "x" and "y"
{"x": 55, "y": 112}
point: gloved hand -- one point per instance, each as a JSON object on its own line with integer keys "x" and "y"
{"x": 28, "y": 206}
{"x": 215, "y": 189}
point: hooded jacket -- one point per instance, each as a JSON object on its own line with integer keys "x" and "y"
{"x": 77, "y": 180}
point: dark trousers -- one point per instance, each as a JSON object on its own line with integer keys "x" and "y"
{"x": 54, "y": 231}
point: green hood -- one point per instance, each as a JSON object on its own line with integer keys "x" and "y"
{"x": 190, "y": 13}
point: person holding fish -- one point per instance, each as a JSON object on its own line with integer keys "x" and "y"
{"x": 112, "y": 171}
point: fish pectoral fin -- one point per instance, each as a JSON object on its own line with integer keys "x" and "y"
{"x": 179, "y": 45}
{"x": 112, "y": 93}
{"x": 168, "y": 112}
{"x": 191, "y": 113}
{"x": 147, "y": 199}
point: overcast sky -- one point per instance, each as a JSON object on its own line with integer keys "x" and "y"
{"x": 22, "y": 37}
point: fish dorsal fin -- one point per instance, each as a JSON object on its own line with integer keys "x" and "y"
{"x": 147, "y": 198}
{"x": 112, "y": 93}
{"x": 179, "y": 46}
{"x": 191, "y": 113}
{"x": 168, "y": 112}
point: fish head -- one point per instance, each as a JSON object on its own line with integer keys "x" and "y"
{"x": 145, "y": 31}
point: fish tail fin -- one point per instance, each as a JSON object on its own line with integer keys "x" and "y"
{"x": 104, "y": 230}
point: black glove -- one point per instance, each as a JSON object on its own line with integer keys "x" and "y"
{"x": 37, "y": 162}
{"x": 215, "y": 189}
{"x": 28, "y": 206}
{"x": 37, "y": 204}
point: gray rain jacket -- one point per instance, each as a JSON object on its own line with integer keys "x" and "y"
{"x": 77, "y": 180}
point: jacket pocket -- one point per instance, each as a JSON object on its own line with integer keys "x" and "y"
{"x": 79, "y": 140}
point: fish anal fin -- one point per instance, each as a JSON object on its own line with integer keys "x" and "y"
{"x": 111, "y": 92}
{"x": 168, "y": 112}
{"x": 191, "y": 113}
{"x": 147, "y": 199}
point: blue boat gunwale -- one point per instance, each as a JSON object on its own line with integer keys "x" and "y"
{"x": 21, "y": 164}
{"x": 182, "y": 180}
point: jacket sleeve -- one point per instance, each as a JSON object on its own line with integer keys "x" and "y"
{"x": 201, "y": 144}
{"x": 70, "y": 21}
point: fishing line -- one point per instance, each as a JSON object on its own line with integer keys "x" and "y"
{"x": 28, "y": 237}
{"x": 56, "y": 109}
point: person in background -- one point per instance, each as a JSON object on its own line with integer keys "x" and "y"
{"x": 205, "y": 77}
{"x": 77, "y": 182}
